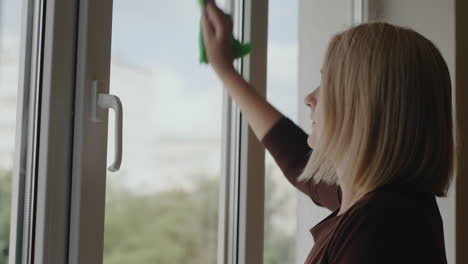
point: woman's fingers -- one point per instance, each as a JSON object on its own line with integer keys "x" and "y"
{"x": 217, "y": 28}
{"x": 213, "y": 4}
{"x": 210, "y": 2}
{"x": 215, "y": 18}
{"x": 222, "y": 23}
{"x": 208, "y": 29}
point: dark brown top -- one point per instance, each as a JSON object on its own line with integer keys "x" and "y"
{"x": 391, "y": 224}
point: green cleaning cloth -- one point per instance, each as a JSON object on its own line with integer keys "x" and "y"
{"x": 238, "y": 49}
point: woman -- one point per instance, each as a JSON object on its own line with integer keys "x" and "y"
{"x": 382, "y": 140}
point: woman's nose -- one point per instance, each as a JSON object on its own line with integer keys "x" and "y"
{"x": 311, "y": 99}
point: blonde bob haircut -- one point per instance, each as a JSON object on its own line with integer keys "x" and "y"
{"x": 386, "y": 112}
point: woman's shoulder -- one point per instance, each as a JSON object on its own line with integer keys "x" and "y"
{"x": 397, "y": 201}
{"x": 394, "y": 211}
{"x": 395, "y": 218}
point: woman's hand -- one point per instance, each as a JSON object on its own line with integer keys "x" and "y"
{"x": 217, "y": 37}
{"x": 217, "y": 34}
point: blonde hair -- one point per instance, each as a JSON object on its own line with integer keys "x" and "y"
{"x": 387, "y": 112}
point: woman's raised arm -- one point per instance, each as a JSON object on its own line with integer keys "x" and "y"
{"x": 217, "y": 32}
{"x": 283, "y": 139}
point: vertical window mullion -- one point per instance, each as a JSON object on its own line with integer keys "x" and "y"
{"x": 360, "y": 11}
{"x": 229, "y": 191}
{"x": 25, "y": 135}
{"x": 55, "y": 130}
{"x": 251, "y": 26}
{"x": 88, "y": 187}
{"x": 240, "y": 238}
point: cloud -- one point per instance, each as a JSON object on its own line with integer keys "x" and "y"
{"x": 283, "y": 77}
{"x": 186, "y": 101}
{"x": 188, "y": 108}
{"x": 10, "y": 17}
{"x": 167, "y": 119}
{"x": 9, "y": 61}
{"x": 155, "y": 30}
{"x": 283, "y": 20}
{"x": 167, "y": 101}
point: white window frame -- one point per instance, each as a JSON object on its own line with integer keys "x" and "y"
{"x": 88, "y": 194}
{"x": 40, "y": 204}
{"x": 241, "y": 208}
{"x": 59, "y": 173}
{"x": 26, "y": 136}
{"x": 251, "y": 187}
{"x": 360, "y": 11}
{"x": 56, "y": 133}
{"x": 68, "y": 173}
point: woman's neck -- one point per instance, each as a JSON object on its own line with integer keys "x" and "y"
{"x": 348, "y": 198}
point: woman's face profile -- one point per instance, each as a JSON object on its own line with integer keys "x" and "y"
{"x": 311, "y": 100}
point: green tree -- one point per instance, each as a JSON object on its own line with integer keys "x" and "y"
{"x": 180, "y": 226}
{"x": 174, "y": 226}
{"x": 278, "y": 245}
{"x": 5, "y": 207}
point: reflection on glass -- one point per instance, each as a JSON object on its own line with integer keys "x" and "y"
{"x": 9, "y": 56}
{"x": 282, "y": 92}
{"x": 162, "y": 206}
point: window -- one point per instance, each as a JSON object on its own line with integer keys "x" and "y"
{"x": 282, "y": 91}
{"x": 185, "y": 191}
{"x": 194, "y": 185}
{"x": 186, "y": 148}
{"x": 10, "y": 21}
{"x": 72, "y": 208}
{"x": 162, "y": 205}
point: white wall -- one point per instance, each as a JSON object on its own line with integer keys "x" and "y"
{"x": 319, "y": 20}
{"x": 435, "y": 19}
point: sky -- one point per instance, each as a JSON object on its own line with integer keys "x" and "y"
{"x": 155, "y": 71}
{"x": 166, "y": 92}
{"x": 172, "y": 104}
{"x": 146, "y": 37}
{"x": 149, "y": 38}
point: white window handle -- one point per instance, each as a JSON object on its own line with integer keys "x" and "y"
{"x": 106, "y": 101}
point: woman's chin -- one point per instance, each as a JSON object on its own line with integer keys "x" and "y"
{"x": 311, "y": 141}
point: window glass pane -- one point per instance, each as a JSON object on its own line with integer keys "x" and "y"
{"x": 162, "y": 206}
{"x": 282, "y": 92}
{"x": 10, "y": 22}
